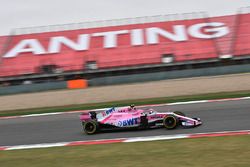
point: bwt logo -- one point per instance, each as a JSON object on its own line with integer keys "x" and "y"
{"x": 107, "y": 112}
{"x": 128, "y": 122}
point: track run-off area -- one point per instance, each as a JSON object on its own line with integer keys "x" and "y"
{"x": 56, "y": 129}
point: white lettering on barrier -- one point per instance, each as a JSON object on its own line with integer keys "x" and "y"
{"x": 215, "y": 30}
{"x": 137, "y": 37}
{"x": 152, "y": 34}
{"x": 56, "y": 42}
{"x": 110, "y": 38}
{"x": 24, "y": 46}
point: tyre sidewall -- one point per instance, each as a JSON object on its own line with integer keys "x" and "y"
{"x": 173, "y": 125}
{"x": 94, "y": 123}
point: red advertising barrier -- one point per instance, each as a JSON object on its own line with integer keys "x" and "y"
{"x": 128, "y": 45}
{"x": 242, "y": 41}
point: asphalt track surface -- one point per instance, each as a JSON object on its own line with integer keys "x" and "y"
{"x": 216, "y": 116}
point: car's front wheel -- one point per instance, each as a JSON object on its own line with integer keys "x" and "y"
{"x": 90, "y": 127}
{"x": 170, "y": 122}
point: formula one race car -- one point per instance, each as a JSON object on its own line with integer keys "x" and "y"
{"x": 130, "y": 117}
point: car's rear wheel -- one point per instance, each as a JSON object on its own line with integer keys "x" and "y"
{"x": 90, "y": 127}
{"x": 170, "y": 122}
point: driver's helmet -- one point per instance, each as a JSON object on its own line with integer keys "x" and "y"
{"x": 131, "y": 107}
{"x": 150, "y": 111}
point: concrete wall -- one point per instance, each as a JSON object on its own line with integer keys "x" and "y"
{"x": 32, "y": 88}
{"x": 165, "y": 88}
{"x": 169, "y": 75}
{"x": 125, "y": 79}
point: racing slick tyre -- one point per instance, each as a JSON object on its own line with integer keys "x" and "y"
{"x": 144, "y": 122}
{"x": 170, "y": 122}
{"x": 179, "y": 113}
{"x": 90, "y": 127}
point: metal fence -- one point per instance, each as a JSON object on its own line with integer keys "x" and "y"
{"x": 116, "y": 22}
{"x": 108, "y": 23}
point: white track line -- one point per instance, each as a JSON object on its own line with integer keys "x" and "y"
{"x": 151, "y": 105}
{"x": 127, "y": 140}
{"x": 155, "y": 138}
{"x": 31, "y": 146}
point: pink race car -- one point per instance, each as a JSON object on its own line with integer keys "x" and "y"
{"x": 130, "y": 117}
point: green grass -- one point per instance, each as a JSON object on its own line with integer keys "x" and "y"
{"x": 127, "y": 102}
{"x": 231, "y": 151}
